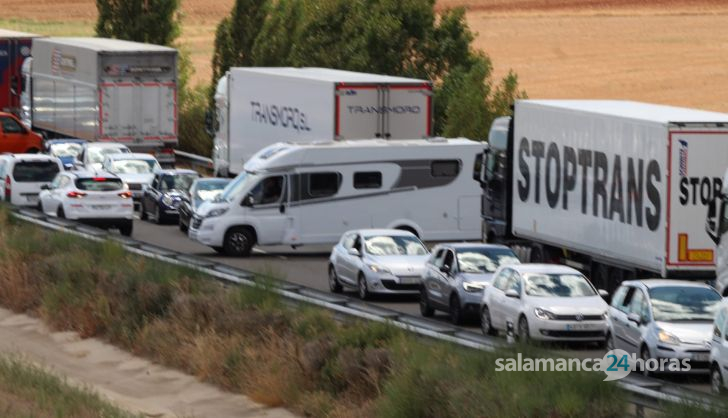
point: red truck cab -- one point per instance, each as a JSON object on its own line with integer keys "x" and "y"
{"x": 16, "y": 138}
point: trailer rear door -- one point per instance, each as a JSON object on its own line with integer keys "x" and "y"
{"x": 365, "y": 111}
{"x": 698, "y": 158}
{"x": 132, "y": 110}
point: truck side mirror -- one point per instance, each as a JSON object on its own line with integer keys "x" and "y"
{"x": 712, "y": 220}
{"x": 209, "y": 122}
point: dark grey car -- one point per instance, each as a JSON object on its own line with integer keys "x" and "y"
{"x": 456, "y": 274}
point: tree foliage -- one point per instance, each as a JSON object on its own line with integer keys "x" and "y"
{"x": 396, "y": 37}
{"x": 152, "y": 21}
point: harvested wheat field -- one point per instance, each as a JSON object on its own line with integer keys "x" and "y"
{"x": 666, "y": 51}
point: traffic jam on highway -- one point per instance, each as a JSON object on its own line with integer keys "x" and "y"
{"x": 578, "y": 220}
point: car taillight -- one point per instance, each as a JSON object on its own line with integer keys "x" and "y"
{"x": 7, "y": 188}
{"x": 76, "y": 195}
{"x": 99, "y": 178}
{"x": 166, "y": 151}
{"x": 125, "y": 195}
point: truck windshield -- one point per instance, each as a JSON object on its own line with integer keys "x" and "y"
{"x": 241, "y": 183}
{"x": 684, "y": 303}
{"x": 558, "y": 285}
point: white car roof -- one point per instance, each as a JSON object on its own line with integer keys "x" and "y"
{"x": 31, "y": 157}
{"x": 131, "y": 156}
{"x": 373, "y": 232}
{"x": 543, "y": 268}
{"x": 653, "y": 283}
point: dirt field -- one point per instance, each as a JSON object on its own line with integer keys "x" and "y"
{"x": 668, "y": 51}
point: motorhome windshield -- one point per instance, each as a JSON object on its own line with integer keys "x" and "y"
{"x": 241, "y": 183}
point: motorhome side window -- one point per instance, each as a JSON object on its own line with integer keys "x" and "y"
{"x": 368, "y": 180}
{"x": 268, "y": 191}
{"x": 445, "y": 168}
{"x": 323, "y": 184}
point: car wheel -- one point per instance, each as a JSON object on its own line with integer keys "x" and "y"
{"x": 334, "y": 285}
{"x": 238, "y": 242}
{"x": 363, "y": 288}
{"x": 143, "y": 212}
{"x": 523, "y": 333}
{"x": 645, "y": 356}
{"x": 485, "y": 323}
{"x": 456, "y": 312}
{"x": 126, "y": 229}
{"x": 61, "y": 214}
{"x": 158, "y": 215}
{"x": 716, "y": 380}
{"x": 425, "y": 309}
{"x": 182, "y": 226}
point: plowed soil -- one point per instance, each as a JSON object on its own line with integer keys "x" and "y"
{"x": 666, "y": 51}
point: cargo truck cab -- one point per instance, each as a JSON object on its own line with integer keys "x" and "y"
{"x": 716, "y": 225}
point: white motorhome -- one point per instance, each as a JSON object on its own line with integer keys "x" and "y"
{"x": 717, "y": 228}
{"x": 260, "y": 106}
{"x": 296, "y": 194}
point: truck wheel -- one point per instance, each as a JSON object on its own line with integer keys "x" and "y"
{"x": 238, "y": 242}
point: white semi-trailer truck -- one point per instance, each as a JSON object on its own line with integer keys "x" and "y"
{"x": 104, "y": 90}
{"x": 618, "y": 189}
{"x": 257, "y": 107}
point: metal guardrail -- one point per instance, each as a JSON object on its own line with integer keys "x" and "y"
{"x": 642, "y": 391}
{"x": 194, "y": 160}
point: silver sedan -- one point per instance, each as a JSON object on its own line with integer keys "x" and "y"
{"x": 377, "y": 261}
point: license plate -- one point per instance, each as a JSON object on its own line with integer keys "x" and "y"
{"x": 32, "y": 199}
{"x": 100, "y": 206}
{"x": 409, "y": 280}
{"x": 577, "y": 327}
{"x": 701, "y": 356}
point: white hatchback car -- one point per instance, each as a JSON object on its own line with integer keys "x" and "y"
{"x": 378, "y": 261}
{"x": 135, "y": 169}
{"x": 95, "y": 198}
{"x": 719, "y": 350}
{"x": 23, "y": 175}
{"x": 544, "y": 302}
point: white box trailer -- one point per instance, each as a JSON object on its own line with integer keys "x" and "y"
{"x": 257, "y": 107}
{"x": 105, "y": 90}
{"x": 616, "y": 187}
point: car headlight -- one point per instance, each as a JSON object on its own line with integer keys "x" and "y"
{"x": 167, "y": 200}
{"x": 543, "y": 314}
{"x": 667, "y": 338}
{"x": 379, "y": 269}
{"x": 215, "y": 212}
{"x": 473, "y": 287}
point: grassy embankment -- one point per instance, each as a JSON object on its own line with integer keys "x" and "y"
{"x": 29, "y": 391}
{"x": 247, "y": 341}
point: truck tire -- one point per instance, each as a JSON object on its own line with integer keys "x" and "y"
{"x": 238, "y": 241}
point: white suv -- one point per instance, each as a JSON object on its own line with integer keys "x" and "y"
{"x": 22, "y": 175}
{"x": 96, "y": 198}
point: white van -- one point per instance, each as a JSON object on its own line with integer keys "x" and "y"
{"x": 296, "y": 194}
{"x": 22, "y": 175}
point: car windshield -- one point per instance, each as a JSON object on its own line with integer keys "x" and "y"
{"x": 65, "y": 149}
{"x": 180, "y": 181}
{"x": 99, "y": 184}
{"x": 557, "y": 285}
{"x": 684, "y": 303}
{"x": 484, "y": 260}
{"x": 97, "y": 154}
{"x": 136, "y": 166}
{"x": 209, "y": 189}
{"x": 383, "y": 245}
{"x": 242, "y": 182}
{"x": 35, "y": 171}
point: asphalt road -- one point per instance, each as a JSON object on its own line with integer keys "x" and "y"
{"x": 308, "y": 265}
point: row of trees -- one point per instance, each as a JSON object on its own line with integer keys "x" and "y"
{"x": 396, "y": 37}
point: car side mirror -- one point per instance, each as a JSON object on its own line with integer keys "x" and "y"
{"x": 603, "y": 293}
{"x": 512, "y": 293}
{"x": 633, "y": 317}
{"x": 248, "y": 200}
{"x": 353, "y": 251}
{"x": 445, "y": 269}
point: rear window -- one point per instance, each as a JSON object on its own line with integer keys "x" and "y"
{"x": 99, "y": 184}
{"x": 35, "y": 171}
